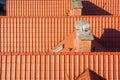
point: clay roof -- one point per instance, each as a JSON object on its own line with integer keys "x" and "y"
{"x": 19, "y": 34}
{"x": 69, "y": 44}
{"x": 89, "y": 75}
{"x": 31, "y": 35}
{"x": 38, "y": 7}
{"x": 41, "y": 34}
{"x": 22, "y": 38}
{"x": 60, "y": 7}
{"x": 58, "y": 66}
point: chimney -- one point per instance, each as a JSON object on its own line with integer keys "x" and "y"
{"x": 76, "y": 8}
{"x": 84, "y": 37}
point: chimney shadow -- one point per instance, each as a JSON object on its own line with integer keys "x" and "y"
{"x": 91, "y": 9}
{"x": 111, "y": 40}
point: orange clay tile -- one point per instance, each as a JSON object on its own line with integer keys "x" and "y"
{"x": 22, "y": 38}
{"x": 70, "y": 44}
{"x": 60, "y": 7}
{"x": 38, "y": 7}
{"x": 89, "y": 75}
{"x": 55, "y": 66}
{"x": 42, "y": 34}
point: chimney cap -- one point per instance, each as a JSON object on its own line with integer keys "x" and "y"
{"x": 83, "y": 30}
{"x": 76, "y": 4}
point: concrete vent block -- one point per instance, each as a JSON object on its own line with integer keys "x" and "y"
{"x": 83, "y": 31}
{"x": 76, "y": 4}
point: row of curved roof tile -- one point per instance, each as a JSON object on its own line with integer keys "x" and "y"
{"x": 41, "y": 34}
{"x": 31, "y": 35}
{"x": 55, "y": 67}
{"x": 60, "y": 7}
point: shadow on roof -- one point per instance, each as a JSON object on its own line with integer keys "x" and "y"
{"x": 91, "y": 9}
{"x": 89, "y": 75}
{"x": 111, "y": 40}
{"x": 2, "y": 11}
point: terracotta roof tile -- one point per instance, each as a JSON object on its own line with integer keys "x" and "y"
{"x": 41, "y": 34}
{"x": 38, "y": 7}
{"x": 89, "y": 75}
{"x": 69, "y": 45}
{"x": 65, "y": 66}
{"x": 23, "y": 63}
{"x": 60, "y": 7}
{"x": 47, "y": 35}
{"x": 31, "y": 35}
